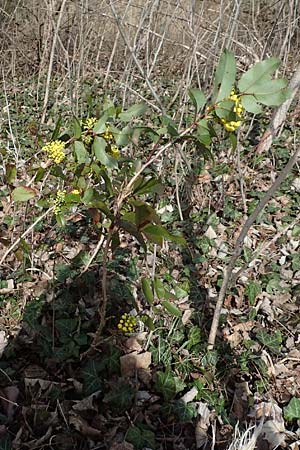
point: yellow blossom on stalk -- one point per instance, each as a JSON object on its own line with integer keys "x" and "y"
{"x": 107, "y": 135}
{"x": 115, "y": 152}
{"x": 237, "y": 109}
{"x": 75, "y": 191}
{"x": 127, "y": 323}
{"x": 55, "y": 151}
{"x": 59, "y": 201}
{"x": 89, "y": 123}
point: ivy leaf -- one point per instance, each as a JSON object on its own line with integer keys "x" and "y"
{"x": 66, "y": 327}
{"x": 120, "y": 397}
{"x": 252, "y": 290}
{"x": 271, "y": 341}
{"x": 91, "y": 379}
{"x": 292, "y": 410}
{"x": 198, "y": 99}
{"x": 140, "y": 437}
{"x": 23, "y": 194}
{"x": 80, "y": 152}
{"x": 224, "y": 76}
{"x": 134, "y": 111}
{"x": 99, "y": 146}
{"x": 168, "y": 385}
{"x": 185, "y": 411}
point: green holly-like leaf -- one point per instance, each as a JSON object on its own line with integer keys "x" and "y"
{"x": 260, "y": 73}
{"x": 134, "y": 111}
{"x": 198, "y": 99}
{"x": 11, "y": 173}
{"x": 292, "y": 410}
{"x": 157, "y": 234}
{"x": 250, "y": 104}
{"x": 147, "y": 290}
{"x": 171, "y": 308}
{"x": 224, "y": 76}
{"x": 203, "y": 133}
{"x": 168, "y": 385}
{"x": 23, "y": 194}
{"x": 98, "y": 147}
{"x": 80, "y": 152}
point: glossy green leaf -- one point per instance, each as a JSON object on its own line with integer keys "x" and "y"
{"x": 11, "y": 173}
{"x": 159, "y": 288}
{"x": 98, "y": 147}
{"x": 132, "y": 229}
{"x": 144, "y": 214}
{"x": 250, "y": 104}
{"x": 134, "y": 111}
{"x": 157, "y": 233}
{"x": 100, "y": 125}
{"x": 224, "y": 110}
{"x": 198, "y": 99}
{"x": 203, "y": 133}
{"x": 23, "y": 194}
{"x": 144, "y": 186}
{"x": 80, "y": 152}
{"x": 75, "y": 128}
{"x": 258, "y": 74}
{"x": 147, "y": 290}
{"x": 55, "y": 133}
{"x": 224, "y": 76}
{"x": 171, "y": 308}
{"x": 122, "y": 137}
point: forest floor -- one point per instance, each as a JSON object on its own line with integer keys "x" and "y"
{"x": 157, "y": 388}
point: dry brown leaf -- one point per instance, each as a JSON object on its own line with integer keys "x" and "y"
{"x": 121, "y": 446}
{"x": 84, "y": 428}
{"x": 133, "y": 361}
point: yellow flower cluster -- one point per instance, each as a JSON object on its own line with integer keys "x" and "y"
{"x": 89, "y": 123}
{"x": 55, "y": 151}
{"x": 75, "y": 191}
{"x": 127, "y": 323}
{"x": 86, "y": 139}
{"x": 107, "y": 135}
{"x": 238, "y": 109}
{"x": 59, "y": 201}
{"x": 114, "y": 151}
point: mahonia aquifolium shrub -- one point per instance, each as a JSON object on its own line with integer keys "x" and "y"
{"x": 91, "y": 161}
